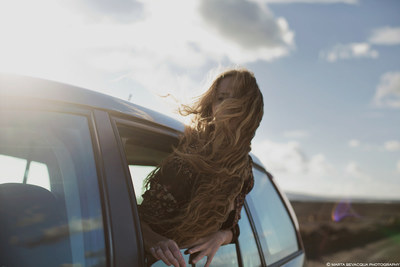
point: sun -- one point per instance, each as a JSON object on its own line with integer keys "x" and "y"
{"x": 34, "y": 37}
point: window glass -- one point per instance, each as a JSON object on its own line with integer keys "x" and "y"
{"x": 50, "y": 212}
{"x": 160, "y": 263}
{"x": 225, "y": 257}
{"x": 19, "y": 170}
{"x": 247, "y": 243}
{"x": 274, "y": 226}
{"x": 12, "y": 169}
{"x": 139, "y": 174}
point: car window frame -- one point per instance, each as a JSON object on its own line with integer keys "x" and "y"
{"x": 138, "y": 123}
{"x": 17, "y": 104}
{"x": 255, "y": 234}
{"x": 291, "y": 256}
{"x": 141, "y": 124}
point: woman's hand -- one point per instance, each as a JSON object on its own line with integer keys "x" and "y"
{"x": 168, "y": 251}
{"x": 209, "y": 245}
{"x": 162, "y": 248}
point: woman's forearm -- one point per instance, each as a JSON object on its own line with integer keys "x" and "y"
{"x": 227, "y": 236}
{"x": 150, "y": 237}
{"x": 161, "y": 248}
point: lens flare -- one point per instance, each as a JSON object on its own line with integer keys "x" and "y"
{"x": 342, "y": 210}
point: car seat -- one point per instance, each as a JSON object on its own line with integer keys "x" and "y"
{"x": 33, "y": 227}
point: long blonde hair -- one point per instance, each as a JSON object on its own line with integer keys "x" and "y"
{"x": 217, "y": 154}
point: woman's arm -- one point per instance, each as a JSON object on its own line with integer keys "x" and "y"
{"x": 161, "y": 247}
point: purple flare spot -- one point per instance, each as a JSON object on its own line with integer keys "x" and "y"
{"x": 342, "y": 210}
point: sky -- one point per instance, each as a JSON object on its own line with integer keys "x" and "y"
{"x": 329, "y": 72}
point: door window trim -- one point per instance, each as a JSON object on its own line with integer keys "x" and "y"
{"x": 255, "y": 234}
{"x": 135, "y": 123}
{"x": 143, "y": 125}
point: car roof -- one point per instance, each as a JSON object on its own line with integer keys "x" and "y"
{"x": 36, "y": 88}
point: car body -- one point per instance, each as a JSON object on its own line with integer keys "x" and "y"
{"x": 72, "y": 166}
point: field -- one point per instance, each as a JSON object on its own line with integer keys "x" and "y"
{"x": 336, "y": 233}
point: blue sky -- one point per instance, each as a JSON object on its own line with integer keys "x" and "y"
{"x": 329, "y": 71}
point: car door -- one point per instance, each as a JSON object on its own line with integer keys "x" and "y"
{"x": 50, "y": 198}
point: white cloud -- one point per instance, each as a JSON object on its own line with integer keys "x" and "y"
{"x": 296, "y": 134}
{"x": 307, "y": 1}
{"x": 249, "y": 24}
{"x": 281, "y": 157}
{"x": 385, "y": 36}
{"x": 294, "y": 171}
{"x": 319, "y": 165}
{"x": 159, "y": 44}
{"x": 380, "y": 36}
{"x": 392, "y": 145}
{"x": 354, "y": 170}
{"x": 290, "y": 158}
{"x": 398, "y": 166}
{"x": 348, "y": 51}
{"x": 388, "y": 91}
{"x": 354, "y": 143}
{"x": 121, "y": 11}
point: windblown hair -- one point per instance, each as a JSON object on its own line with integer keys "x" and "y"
{"x": 215, "y": 147}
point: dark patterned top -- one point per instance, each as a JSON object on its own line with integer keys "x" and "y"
{"x": 171, "y": 188}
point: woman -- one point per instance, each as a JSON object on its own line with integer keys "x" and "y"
{"x": 195, "y": 197}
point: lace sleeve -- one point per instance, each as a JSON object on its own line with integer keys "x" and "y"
{"x": 157, "y": 203}
{"x": 168, "y": 191}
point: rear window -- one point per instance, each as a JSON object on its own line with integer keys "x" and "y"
{"x": 274, "y": 225}
{"x": 50, "y": 212}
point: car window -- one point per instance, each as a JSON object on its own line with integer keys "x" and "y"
{"x": 225, "y": 257}
{"x": 138, "y": 174}
{"x": 50, "y": 212}
{"x": 247, "y": 243}
{"x": 144, "y": 150}
{"x": 274, "y": 226}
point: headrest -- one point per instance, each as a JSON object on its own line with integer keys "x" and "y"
{"x": 31, "y": 219}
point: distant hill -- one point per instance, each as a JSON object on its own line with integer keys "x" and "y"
{"x": 292, "y": 196}
{"x": 347, "y": 230}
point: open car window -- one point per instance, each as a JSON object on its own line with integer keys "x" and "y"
{"x": 144, "y": 150}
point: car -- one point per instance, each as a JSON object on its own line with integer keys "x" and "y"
{"x": 72, "y": 166}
